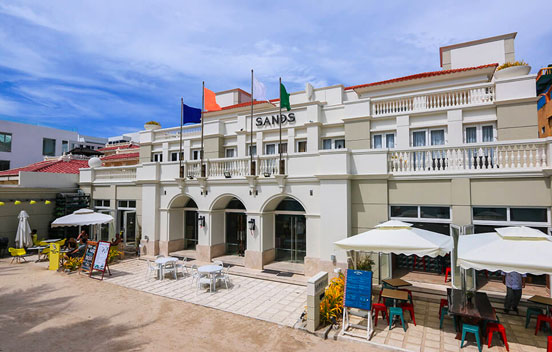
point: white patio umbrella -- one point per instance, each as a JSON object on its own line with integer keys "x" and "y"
{"x": 399, "y": 238}
{"x": 23, "y": 236}
{"x": 82, "y": 217}
{"x": 521, "y": 249}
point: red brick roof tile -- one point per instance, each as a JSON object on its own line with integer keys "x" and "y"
{"x": 126, "y": 146}
{"x": 54, "y": 166}
{"x": 121, "y": 156}
{"x": 421, "y": 75}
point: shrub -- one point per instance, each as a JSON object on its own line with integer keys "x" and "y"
{"x": 365, "y": 264}
{"x": 153, "y": 123}
{"x": 72, "y": 263}
{"x": 511, "y": 64}
{"x": 332, "y": 303}
{"x": 113, "y": 254}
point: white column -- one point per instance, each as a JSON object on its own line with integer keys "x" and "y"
{"x": 313, "y": 136}
{"x": 403, "y": 132}
{"x": 166, "y": 151}
{"x": 242, "y": 144}
{"x": 335, "y": 217}
{"x": 454, "y": 127}
{"x": 259, "y": 142}
{"x": 290, "y": 140}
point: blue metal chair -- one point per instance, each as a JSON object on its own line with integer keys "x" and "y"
{"x": 393, "y": 311}
{"x": 532, "y": 312}
{"x": 474, "y": 329}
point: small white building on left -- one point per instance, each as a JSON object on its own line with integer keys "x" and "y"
{"x": 23, "y": 144}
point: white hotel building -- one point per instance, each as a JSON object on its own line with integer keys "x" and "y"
{"x": 457, "y": 146}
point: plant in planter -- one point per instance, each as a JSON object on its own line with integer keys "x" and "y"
{"x": 152, "y": 125}
{"x": 512, "y": 69}
{"x": 331, "y": 305}
{"x": 365, "y": 264}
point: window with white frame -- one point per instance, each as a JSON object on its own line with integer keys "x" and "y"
{"x": 282, "y": 147}
{"x": 301, "y": 146}
{"x": 333, "y": 143}
{"x": 511, "y": 216}
{"x": 5, "y": 142}
{"x": 127, "y": 204}
{"x": 427, "y": 217}
{"x": 196, "y": 154}
{"x": 270, "y": 148}
{"x": 379, "y": 140}
{"x": 157, "y": 157}
{"x": 174, "y": 156}
{"x": 428, "y": 136}
{"x": 480, "y": 133}
{"x": 252, "y": 150}
{"x": 230, "y": 152}
{"x": 102, "y": 203}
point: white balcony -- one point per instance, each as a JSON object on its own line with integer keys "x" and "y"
{"x": 497, "y": 157}
{"x": 169, "y": 134}
{"x": 115, "y": 173}
{"x": 438, "y": 100}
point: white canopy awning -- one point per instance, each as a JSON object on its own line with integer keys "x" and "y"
{"x": 521, "y": 249}
{"x": 82, "y": 217}
{"x": 399, "y": 238}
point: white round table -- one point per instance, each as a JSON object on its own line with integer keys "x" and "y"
{"x": 161, "y": 263}
{"x": 211, "y": 270}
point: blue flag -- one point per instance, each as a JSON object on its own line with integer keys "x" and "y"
{"x": 191, "y": 115}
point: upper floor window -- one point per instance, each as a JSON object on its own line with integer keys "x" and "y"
{"x": 333, "y": 143}
{"x": 48, "y": 147}
{"x": 4, "y": 165}
{"x": 510, "y": 215}
{"x": 301, "y": 146}
{"x": 270, "y": 148}
{"x": 196, "y": 154}
{"x": 479, "y": 133}
{"x": 65, "y": 147}
{"x": 420, "y": 212}
{"x": 282, "y": 148}
{"x": 421, "y": 138}
{"x": 381, "y": 139}
{"x": 102, "y": 203}
{"x": 174, "y": 156}
{"x": 157, "y": 157}
{"x": 252, "y": 150}
{"x": 5, "y": 142}
{"x": 229, "y": 152}
{"x": 127, "y": 204}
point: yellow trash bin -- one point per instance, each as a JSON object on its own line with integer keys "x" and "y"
{"x": 54, "y": 256}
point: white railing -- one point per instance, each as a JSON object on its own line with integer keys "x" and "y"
{"x": 434, "y": 101}
{"x": 501, "y": 156}
{"x": 115, "y": 173}
{"x": 174, "y": 132}
{"x": 192, "y": 169}
{"x": 231, "y": 167}
{"x": 268, "y": 165}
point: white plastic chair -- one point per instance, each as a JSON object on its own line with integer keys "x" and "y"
{"x": 152, "y": 268}
{"x": 224, "y": 276}
{"x": 204, "y": 280}
{"x": 218, "y": 262}
{"x": 170, "y": 267}
{"x": 182, "y": 267}
{"x": 195, "y": 274}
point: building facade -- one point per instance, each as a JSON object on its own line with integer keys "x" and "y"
{"x": 451, "y": 147}
{"x": 23, "y": 144}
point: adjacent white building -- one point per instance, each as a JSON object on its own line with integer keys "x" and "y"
{"x": 451, "y": 147}
{"x": 23, "y": 144}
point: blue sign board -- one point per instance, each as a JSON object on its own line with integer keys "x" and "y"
{"x": 358, "y": 289}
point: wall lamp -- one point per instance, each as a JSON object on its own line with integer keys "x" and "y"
{"x": 251, "y": 223}
{"x": 266, "y": 174}
{"x": 227, "y": 174}
{"x": 201, "y": 221}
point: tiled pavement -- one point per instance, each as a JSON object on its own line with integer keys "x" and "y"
{"x": 275, "y": 302}
{"x": 427, "y": 336}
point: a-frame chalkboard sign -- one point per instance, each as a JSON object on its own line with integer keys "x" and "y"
{"x": 95, "y": 258}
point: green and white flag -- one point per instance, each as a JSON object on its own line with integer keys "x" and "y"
{"x": 284, "y": 98}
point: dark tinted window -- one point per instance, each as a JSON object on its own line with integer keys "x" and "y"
{"x": 528, "y": 214}
{"x": 492, "y": 214}
{"x": 191, "y": 204}
{"x": 404, "y": 211}
{"x": 4, "y": 165}
{"x": 435, "y": 212}
{"x": 235, "y": 204}
{"x": 290, "y": 204}
{"x": 435, "y": 227}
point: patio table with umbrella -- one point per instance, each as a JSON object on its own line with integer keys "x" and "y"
{"x": 83, "y": 217}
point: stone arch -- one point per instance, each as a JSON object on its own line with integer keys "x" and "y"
{"x": 222, "y": 201}
{"x": 272, "y": 203}
{"x": 180, "y": 201}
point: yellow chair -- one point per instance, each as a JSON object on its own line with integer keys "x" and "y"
{"x": 35, "y": 239}
{"x": 45, "y": 251}
{"x": 62, "y": 242}
{"x": 17, "y": 254}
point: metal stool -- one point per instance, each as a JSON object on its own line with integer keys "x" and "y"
{"x": 474, "y": 329}
{"x": 393, "y": 311}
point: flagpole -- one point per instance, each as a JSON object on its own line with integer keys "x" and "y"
{"x": 280, "y": 124}
{"x": 252, "y": 164}
{"x": 180, "y": 150}
{"x": 202, "y": 168}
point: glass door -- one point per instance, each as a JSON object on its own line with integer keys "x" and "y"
{"x": 291, "y": 239}
{"x": 129, "y": 221}
{"x": 190, "y": 230}
{"x": 236, "y": 239}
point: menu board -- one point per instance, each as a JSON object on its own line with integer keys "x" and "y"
{"x": 89, "y": 253}
{"x": 102, "y": 252}
{"x": 358, "y": 289}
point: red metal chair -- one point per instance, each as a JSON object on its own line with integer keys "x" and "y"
{"x": 549, "y": 348}
{"x": 410, "y": 298}
{"x": 409, "y": 307}
{"x": 376, "y": 309}
{"x": 443, "y": 303}
{"x": 415, "y": 261}
{"x": 447, "y": 273}
{"x": 542, "y": 318}
{"x": 496, "y": 327}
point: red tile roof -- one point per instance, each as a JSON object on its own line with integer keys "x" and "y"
{"x": 421, "y": 75}
{"x": 121, "y": 156}
{"x": 54, "y": 166}
{"x": 126, "y": 146}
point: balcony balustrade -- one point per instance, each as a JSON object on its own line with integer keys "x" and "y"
{"x": 443, "y": 100}
{"x": 232, "y": 167}
{"x": 126, "y": 173}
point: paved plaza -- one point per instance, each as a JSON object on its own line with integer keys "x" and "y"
{"x": 275, "y": 302}
{"x": 427, "y": 336}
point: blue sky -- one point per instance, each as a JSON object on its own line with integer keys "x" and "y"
{"x": 105, "y": 67}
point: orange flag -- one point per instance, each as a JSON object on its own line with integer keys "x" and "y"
{"x": 210, "y": 100}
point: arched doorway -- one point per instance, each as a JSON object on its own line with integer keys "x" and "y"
{"x": 290, "y": 227}
{"x": 190, "y": 224}
{"x": 236, "y": 227}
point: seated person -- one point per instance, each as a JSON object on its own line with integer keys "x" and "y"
{"x": 71, "y": 243}
{"x": 118, "y": 239}
{"x": 82, "y": 237}
{"x": 79, "y": 251}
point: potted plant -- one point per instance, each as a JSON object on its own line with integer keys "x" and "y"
{"x": 512, "y": 69}
{"x": 152, "y": 125}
